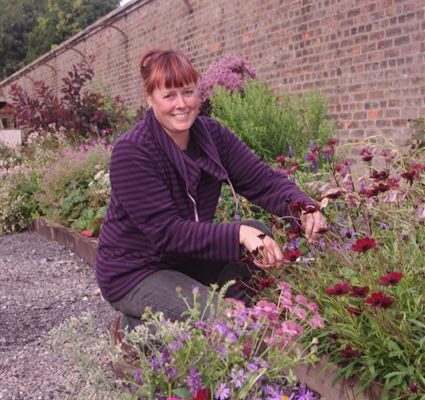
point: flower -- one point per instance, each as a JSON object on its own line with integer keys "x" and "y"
{"x": 194, "y": 381}
{"x": 391, "y": 279}
{"x": 353, "y": 310}
{"x": 316, "y": 321}
{"x": 359, "y": 291}
{"x": 303, "y": 393}
{"x": 238, "y": 378}
{"x": 291, "y": 255}
{"x": 379, "y": 300}
{"x": 202, "y": 394}
{"x": 367, "y": 153}
{"x": 363, "y": 245}
{"x": 300, "y": 299}
{"x": 349, "y": 352}
{"x": 379, "y": 175}
{"x": 300, "y": 313}
{"x": 222, "y": 392}
{"x": 338, "y": 289}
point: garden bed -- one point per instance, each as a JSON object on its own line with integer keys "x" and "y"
{"x": 318, "y": 377}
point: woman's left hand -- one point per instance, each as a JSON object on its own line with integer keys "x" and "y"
{"x": 313, "y": 224}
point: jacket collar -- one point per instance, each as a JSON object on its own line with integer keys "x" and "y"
{"x": 189, "y": 170}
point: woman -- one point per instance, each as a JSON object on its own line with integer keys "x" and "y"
{"x": 166, "y": 175}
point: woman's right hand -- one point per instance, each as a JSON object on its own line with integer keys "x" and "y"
{"x": 269, "y": 252}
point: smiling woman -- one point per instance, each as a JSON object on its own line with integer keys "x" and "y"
{"x": 166, "y": 176}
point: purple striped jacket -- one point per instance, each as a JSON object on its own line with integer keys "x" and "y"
{"x": 150, "y": 223}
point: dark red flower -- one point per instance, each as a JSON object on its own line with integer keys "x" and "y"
{"x": 354, "y": 310}
{"x": 247, "y": 348}
{"x": 267, "y": 282}
{"x": 369, "y": 192}
{"x": 202, "y": 394}
{"x": 410, "y": 175}
{"x": 292, "y": 255}
{"x": 282, "y": 159}
{"x": 382, "y": 187}
{"x": 349, "y": 352}
{"x": 379, "y": 300}
{"x": 391, "y": 279}
{"x": 367, "y": 154}
{"x": 413, "y": 387}
{"x": 359, "y": 291}
{"x": 331, "y": 142}
{"x": 338, "y": 289}
{"x": 379, "y": 175}
{"x": 363, "y": 245}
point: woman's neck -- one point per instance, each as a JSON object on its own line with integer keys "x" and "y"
{"x": 180, "y": 139}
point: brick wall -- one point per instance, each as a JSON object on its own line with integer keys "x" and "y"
{"x": 368, "y": 56}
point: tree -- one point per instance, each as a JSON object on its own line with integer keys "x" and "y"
{"x": 17, "y": 19}
{"x": 62, "y": 19}
{"x": 31, "y": 28}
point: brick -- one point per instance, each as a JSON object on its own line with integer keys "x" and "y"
{"x": 368, "y": 55}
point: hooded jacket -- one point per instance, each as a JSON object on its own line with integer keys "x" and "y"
{"x": 163, "y": 202}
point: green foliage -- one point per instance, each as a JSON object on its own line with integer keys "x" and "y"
{"x": 66, "y": 194}
{"x": 17, "y": 19}
{"x": 17, "y": 204}
{"x": 268, "y": 127}
{"x": 30, "y": 28}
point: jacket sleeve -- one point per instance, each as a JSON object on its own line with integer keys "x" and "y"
{"x": 142, "y": 192}
{"x": 257, "y": 181}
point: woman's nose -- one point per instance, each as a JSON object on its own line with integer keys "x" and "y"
{"x": 180, "y": 101}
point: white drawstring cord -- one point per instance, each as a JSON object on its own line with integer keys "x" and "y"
{"x": 236, "y": 216}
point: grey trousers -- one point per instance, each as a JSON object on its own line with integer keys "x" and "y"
{"x": 158, "y": 290}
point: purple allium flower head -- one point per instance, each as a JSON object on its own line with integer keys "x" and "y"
{"x": 293, "y": 244}
{"x": 222, "y": 392}
{"x": 201, "y": 324}
{"x": 238, "y": 378}
{"x": 194, "y": 381}
{"x": 229, "y": 72}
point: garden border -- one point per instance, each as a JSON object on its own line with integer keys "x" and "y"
{"x": 318, "y": 377}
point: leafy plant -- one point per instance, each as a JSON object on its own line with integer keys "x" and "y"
{"x": 268, "y": 127}
{"x": 82, "y": 113}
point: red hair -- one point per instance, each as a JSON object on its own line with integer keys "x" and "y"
{"x": 169, "y": 68}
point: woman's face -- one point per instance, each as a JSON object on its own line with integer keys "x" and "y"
{"x": 175, "y": 108}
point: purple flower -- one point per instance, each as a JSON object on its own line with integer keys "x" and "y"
{"x": 303, "y": 393}
{"x": 222, "y": 392}
{"x": 138, "y": 376}
{"x": 194, "y": 381}
{"x": 300, "y": 313}
{"x": 316, "y": 321}
{"x": 238, "y": 378}
{"x": 222, "y": 329}
{"x": 176, "y": 345}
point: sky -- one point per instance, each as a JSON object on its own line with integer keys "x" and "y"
{"x": 122, "y": 2}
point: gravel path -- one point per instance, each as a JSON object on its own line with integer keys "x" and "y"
{"x": 42, "y": 285}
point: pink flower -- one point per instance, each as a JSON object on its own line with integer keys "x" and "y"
{"x": 316, "y": 321}
{"x": 300, "y": 313}
{"x": 367, "y": 153}
{"x": 291, "y": 328}
{"x": 300, "y": 299}
{"x": 312, "y": 307}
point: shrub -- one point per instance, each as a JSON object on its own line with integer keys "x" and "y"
{"x": 66, "y": 195}
{"x": 17, "y": 204}
{"x": 270, "y": 128}
{"x": 82, "y": 113}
